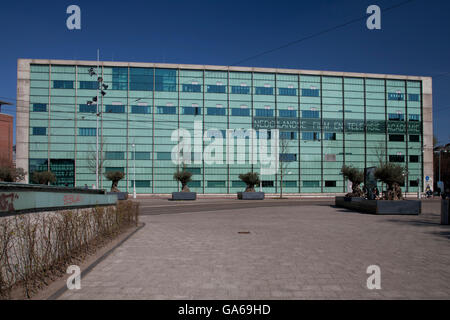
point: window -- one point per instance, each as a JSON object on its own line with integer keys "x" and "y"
{"x": 240, "y": 90}
{"x": 311, "y": 136}
{"x": 396, "y": 137}
{"x": 288, "y": 113}
{"x": 114, "y": 155}
{"x": 413, "y": 158}
{"x": 166, "y": 80}
{"x": 290, "y": 184}
{"x": 90, "y": 85}
{"x": 39, "y": 107}
{"x": 216, "y": 111}
{"x": 195, "y": 184}
{"x": 140, "y": 155}
{"x": 192, "y": 88}
{"x": 238, "y": 184}
{"x": 396, "y": 96}
{"x": 216, "y": 184}
{"x": 164, "y": 156}
{"x": 264, "y": 134}
{"x": 194, "y": 170}
{"x": 141, "y": 183}
{"x": 216, "y": 88}
{"x": 264, "y": 90}
{"x": 267, "y": 184}
{"x": 87, "y": 131}
{"x": 330, "y": 136}
{"x": 413, "y": 183}
{"x": 287, "y": 92}
{"x": 119, "y": 78}
{"x": 241, "y": 112}
{"x": 413, "y": 97}
{"x": 166, "y": 110}
{"x": 330, "y": 184}
{"x": 140, "y": 109}
{"x": 114, "y": 169}
{"x": 414, "y": 138}
{"x": 330, "y": 157}
{"x": 310, "y": 114}
{"x": 88, "y": 108}
{"x": 263, "y": 112}
{"x": 396, "y": 116}
{"x": 288, "y": 135}
{"x": 310, "y": 92}
{"x": 141, "y": 79}
{"x": 414, "y": 117}
{"x": 288, "y": 157}
{"x": 62, "y": 84}
{"x": 39, "y": 131}
{"x": 115, "y": 108}
{"x": 192, "y": 110}
{"x": 396, "y": 158}
{"x": 311, "y": 184}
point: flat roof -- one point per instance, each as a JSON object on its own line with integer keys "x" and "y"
{"x": 5, "y": 103}
{"x": 221, "y": 68}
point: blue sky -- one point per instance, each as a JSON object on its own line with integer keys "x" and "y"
{"x": 414, "y": 38}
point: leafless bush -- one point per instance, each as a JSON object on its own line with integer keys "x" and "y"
{"x": 37, "y": 248}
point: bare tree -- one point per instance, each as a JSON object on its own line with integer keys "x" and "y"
{"x": 92, "y": 160}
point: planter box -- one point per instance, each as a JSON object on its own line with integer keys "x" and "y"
{"x": 120, "y": 195}
{"x": 445, "y": 208}
{"x": 184, "y": 195}
{"x": 388, "y": 207}
{"x": 250, "y": 195}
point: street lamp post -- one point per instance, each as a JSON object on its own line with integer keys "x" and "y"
{"x": 134, "y": 171}
{"x": 96, "y": 130}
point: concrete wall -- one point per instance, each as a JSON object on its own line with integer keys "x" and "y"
{"x": 22, "y": 115}
{"x": 427, "y": 94}
{"x": 6, "y": 139}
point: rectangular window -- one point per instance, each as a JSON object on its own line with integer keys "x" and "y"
{"x": 166, "y": 80}
{"x": 216, "y": 111}
{"x": 396, "y": 96}
{"x": 212, "y": 88}
{"x": 396, "y": 117}
{"x": 396, "y": 158}
{"x": 238, "y": 184}
{"x": 267, "y": 184}
{"x": 330, "y": 135}
{"x": 240, "y": 90}
{"x": 290, "y": 184}
{"x": 114, "y": 169}
{"x": 114, "y": 155}
{"x": 140, "y": 109}
{"x": 164, "y": 156}
{"x": 166, "y": 110}
{"x": 141, "y": 183}
{"x": 396, "y": 137}
{"x": 330, "y": 157}
{"x": 87, "y": 108}
{"x": 288, "y": 135}
{"x": 330, "y": 184}
{"x": 140, "y": 155}
{"x": 192, "y": 88}
{"x": 264, "y": 90}
{"x": 413, "y": 183}
{"x": 414, "y": 117}
{"x": 194, "y": 170}
{"x": 263, "y": 113}
{"x": 39, "y": 107}
{"x": 311, "y": 184}
{"x": 310, "y": 92}
{"x": 39, "y": 131}
{"x": 311, "y": 136}
{"x": 119, "y": 78}
{"x": 90, "y": 85}
{"x": 413, "y": 158}
{"x": 216, "y": 184}
{"x": 288, "y": 157}
{"x": 287, "y": 92}
{"x": 310, "y": 114}
{"x": 115, "y": 108}
{"x": 62, "y": 84}
{"x": 192, "y": 110}
{"x": 240, "y": 112}
{"x": 141, "y": 79}
{"x": 264, "y": 134}
{"x": 414, "y": 138}
{"x": 87, "y": 131}
{"x": 195, "y": 184}
{"x": 288, "y": 113}
{"x": 413, "y": 97}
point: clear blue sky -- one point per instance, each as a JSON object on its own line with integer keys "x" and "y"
{"x": 414, "y": 39}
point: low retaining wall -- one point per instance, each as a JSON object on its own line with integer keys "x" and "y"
{"x": 400, "y": 207}
{"x": 21, "y": 198}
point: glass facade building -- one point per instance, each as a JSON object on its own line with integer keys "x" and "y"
{"x": 326, "y": 120}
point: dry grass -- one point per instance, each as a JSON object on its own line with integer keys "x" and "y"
{"x": 37, "y": 248}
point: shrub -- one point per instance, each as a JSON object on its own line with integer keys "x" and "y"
{"x": 114, "y": 177}
{"x": 356, "y": 176}
{"x": 183, "y": 177}
{"x": 393, "y": 175}
{"x": 43, "y": 177}
{"x": 10, "y": 174}
{"x": 250, "y": 179}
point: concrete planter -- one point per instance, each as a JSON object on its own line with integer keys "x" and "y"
{"x": 387, "y": 207}
{"x": 250, "y": 195}
{"x": 120, "y": 195}
{"x": 184, "y": 195}
{"x": 445, "y": 208}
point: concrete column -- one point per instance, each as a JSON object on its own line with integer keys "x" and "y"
{"x": 427, "y": 96}
{"x": 23, "y": 115}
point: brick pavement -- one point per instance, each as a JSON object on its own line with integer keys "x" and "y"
{"x": 297, "y": 252}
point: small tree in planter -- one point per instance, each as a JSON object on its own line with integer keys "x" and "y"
{"x": 392, "y": 175}
{"x": 114, "y": 177}
{"x": 11, "y": 174}
{"x": 356, "y": 177}
{"x": 184, "y": 177}
{"x": 250, "y": 179}
{"x": 43, "y": 177}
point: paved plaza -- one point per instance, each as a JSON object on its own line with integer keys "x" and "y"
{"x": 273, "y": 249}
